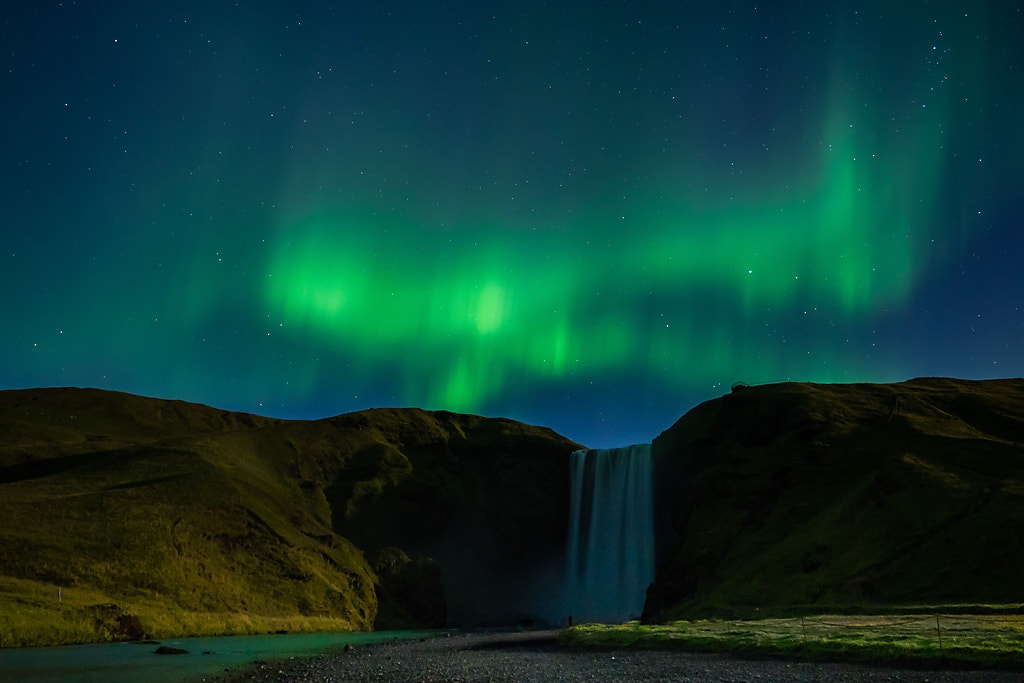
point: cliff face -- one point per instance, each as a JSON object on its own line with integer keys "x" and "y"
{"x": 487, "y": 499}
{"x": 202, "y": 520}
{"x": 801, "y": 496}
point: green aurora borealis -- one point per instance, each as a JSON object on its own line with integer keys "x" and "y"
{"x": 590, "y": 218}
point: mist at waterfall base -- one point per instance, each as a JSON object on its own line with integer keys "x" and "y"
{"x": 610, "y": 555}
{"x": 602, "y": 572}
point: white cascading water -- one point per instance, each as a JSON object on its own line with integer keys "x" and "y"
{"x": 611, "y": 533}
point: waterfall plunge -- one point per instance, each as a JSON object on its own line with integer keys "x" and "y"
{"x": 611, "y": 533}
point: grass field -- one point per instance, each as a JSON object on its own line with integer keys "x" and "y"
{"x": 34, "y": 614}
{"x": 939, "y": 640}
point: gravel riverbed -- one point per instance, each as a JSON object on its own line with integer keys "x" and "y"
{"x": 532, "y": 656}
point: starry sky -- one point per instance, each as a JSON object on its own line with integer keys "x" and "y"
{"x": 585, "y": 215}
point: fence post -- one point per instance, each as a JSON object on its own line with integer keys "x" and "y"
{"x": 938, "y": 628}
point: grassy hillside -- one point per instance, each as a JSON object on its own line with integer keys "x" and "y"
{"x": 801, "y": 497}
{"x": 124, "y": 514}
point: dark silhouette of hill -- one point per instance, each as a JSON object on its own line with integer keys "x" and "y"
{"x": 807, "y": 497}
{"x": 125, "y": 515}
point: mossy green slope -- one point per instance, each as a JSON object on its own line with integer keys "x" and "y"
{"x": 198, "y": 520}
{"x": 803, "y": 497}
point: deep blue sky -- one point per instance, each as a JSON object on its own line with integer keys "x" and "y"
{"x": 590, "y": 216}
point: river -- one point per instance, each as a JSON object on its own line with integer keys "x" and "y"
{"x": 204, "y": 657}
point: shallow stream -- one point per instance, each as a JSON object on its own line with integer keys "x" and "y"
{"x": 204, "y": 658}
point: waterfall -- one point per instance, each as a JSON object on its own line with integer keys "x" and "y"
{"x": 611, "y": 533}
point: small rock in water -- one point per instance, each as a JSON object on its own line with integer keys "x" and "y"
{"x": 165, "y": 650}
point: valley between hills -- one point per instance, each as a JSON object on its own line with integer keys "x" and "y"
{"x": 127, "y": 517}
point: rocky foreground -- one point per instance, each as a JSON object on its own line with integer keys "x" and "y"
{"x": 533, "y": 656}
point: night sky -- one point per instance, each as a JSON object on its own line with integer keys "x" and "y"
{"x": 585, "y": 215}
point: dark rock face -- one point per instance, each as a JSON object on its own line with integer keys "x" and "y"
{"x": 485, "y": 499}
{"x": 800, "y": 496}
{"x": 129, "y": 627}
{"x": 410, "y": 593}
{"x": 113, "y": 621}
